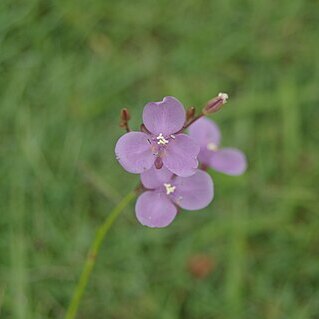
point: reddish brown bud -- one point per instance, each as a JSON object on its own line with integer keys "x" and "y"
{"x": 215, "y": 104}
{"x": 125, "y": 115}
{"x": 158, "y": 163}
{"x": 190, "y": 113}
{"x": 144, "y": 129}
{"x": 124, "y": 119}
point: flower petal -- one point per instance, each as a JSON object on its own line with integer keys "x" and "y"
{"x": 133, "y": 151}
{"x": 166, "y": 117}
{"x": 205, "y": 156}
{"x": 204, "y": 132}
{"x": 154, "y": 209}
{"x": 154, "y": 177}
{"x": 230, "y": 161}
{"x": 194, "y": 192}
{"x": 181, "y": 155}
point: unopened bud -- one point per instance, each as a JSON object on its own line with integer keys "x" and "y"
{"x": 215, "y": 104}
{"x": 144, "y": 129}
{"x": 124, "y": 119}
{"x": 190, "y": 113}
{"x": 125, "y": 115}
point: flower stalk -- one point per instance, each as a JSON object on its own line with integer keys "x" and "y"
{"x": 93, "y": 253}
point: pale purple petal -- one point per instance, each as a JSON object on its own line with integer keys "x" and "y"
{"x": 181, "y": 155}
{"x": 205, "y": 155}
{"x": 204, "y": 132}
{"x": 193, "y": 192}
{"x": 230, "y": 161}
{"x": 166, "y": 117}
{"x": 133, "y": 151}
{"x": 154, "y": 178}
{"x": 154, "y": 209}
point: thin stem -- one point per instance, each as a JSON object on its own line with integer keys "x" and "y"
{"x": 189, "y": 123}
{"x": 193, "y": 121}
{"x": 126, "y": 126}
{"x": 93, "y": 252}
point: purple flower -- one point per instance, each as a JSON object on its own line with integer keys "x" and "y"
{"x": 230, "y": 161}
{"x": 162, "y": 143}
{"x": 157, "y": 207}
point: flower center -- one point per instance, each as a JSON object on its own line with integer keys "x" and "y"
{"x": 212, "y": 147}
{"x": 169, "y": 188}
{"x": 161, "y": 140}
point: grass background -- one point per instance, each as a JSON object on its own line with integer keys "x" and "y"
{"x": 68, "y": 67}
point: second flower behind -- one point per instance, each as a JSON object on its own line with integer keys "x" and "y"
{"x": 158, "y": 205}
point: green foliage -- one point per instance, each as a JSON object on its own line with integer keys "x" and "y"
{"x": 68, "y": 67}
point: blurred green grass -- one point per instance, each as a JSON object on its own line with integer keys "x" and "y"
{"x": 68, "y": 67}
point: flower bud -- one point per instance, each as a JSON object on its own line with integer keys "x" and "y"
{"x": 124, "y": 119}
{"x": 144, "y": 129}
{"x": 215, "y": 104}
{"x": 125, "y": 115}
{"x": 190, "y": 113}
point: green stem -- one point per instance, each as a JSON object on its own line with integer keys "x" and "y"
{"x": 93, "y": 252}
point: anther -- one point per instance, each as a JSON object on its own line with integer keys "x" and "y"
{"x": 169, "y": 188}
{"x": 223, "y": 96}
{"x": 161, "y": 139}
{"x": 212, "y": 147}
